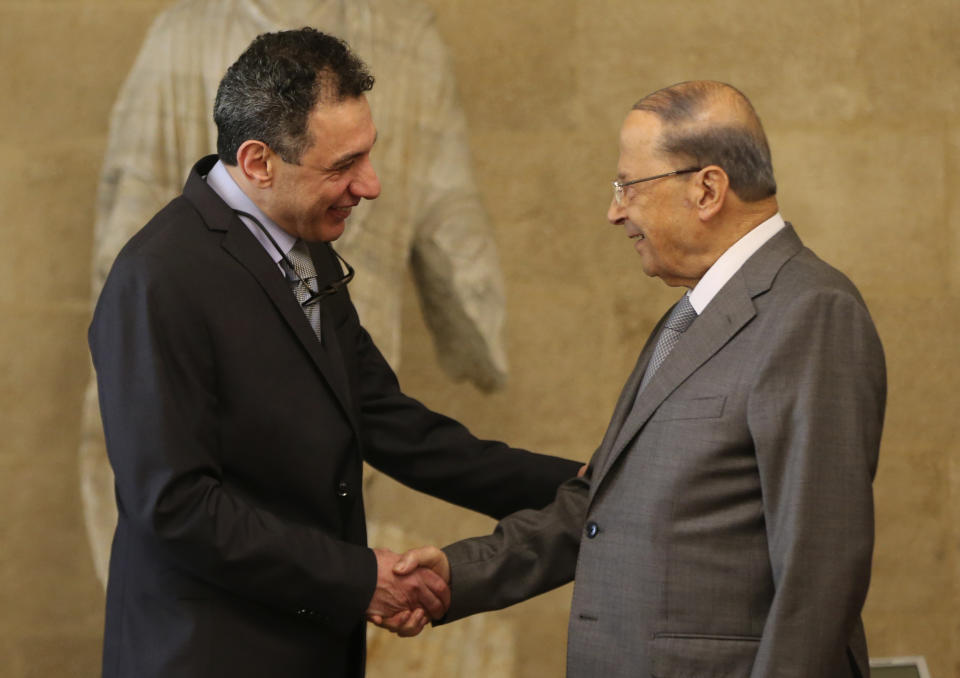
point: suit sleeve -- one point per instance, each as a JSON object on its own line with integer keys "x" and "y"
{"x": 435, "y": 454}
{"x": 815, "y": 414}
{"x": 530, "y": 552}
{"x": 159, "y": 401}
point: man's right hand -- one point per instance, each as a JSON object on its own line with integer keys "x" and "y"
{"x": 429, "y": 557}
{"x": 428, "y": 563}
{"x": 406, "y": 595}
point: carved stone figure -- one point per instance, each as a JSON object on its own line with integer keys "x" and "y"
{"x": 428, "y": 217}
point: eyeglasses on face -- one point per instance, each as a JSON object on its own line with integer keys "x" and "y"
{"x": 618, "y": 186}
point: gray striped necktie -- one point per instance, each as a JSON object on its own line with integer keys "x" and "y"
{"x": 677, "y": 323}
{"x": 299, "y": 256}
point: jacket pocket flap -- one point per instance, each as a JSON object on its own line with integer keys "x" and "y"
{"x": 694, "y": 408}
{"x": 695, "y": 656}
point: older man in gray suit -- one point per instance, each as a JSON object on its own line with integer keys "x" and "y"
{"x": 725, "y": 524}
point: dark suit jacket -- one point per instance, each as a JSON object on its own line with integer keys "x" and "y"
{"x": 237, "y": 439}
{"x": 726, "y": 525}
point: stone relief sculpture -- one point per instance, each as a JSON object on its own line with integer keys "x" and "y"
{"x": 429, "y": 216}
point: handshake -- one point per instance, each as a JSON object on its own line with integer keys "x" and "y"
{"x": 412, "y": 589}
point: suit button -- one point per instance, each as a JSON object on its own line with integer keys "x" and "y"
{"x": 592, "y": 529}
{"x": 343, "y": 490}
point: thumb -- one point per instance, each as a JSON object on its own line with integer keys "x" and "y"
{"x": 408, "y": 562}
{"x": 429, "y": 557}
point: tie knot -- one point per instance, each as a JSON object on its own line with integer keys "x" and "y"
{"x": 682, "y": 315}
{"x": 299, "y": 256}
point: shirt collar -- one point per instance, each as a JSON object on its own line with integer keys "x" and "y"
{"x": 732, "y": 260}
{"x": 222, "y": 183}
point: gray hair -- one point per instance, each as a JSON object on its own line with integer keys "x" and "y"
{"x": 269, "y": 91}
{"x": 738, "y": 145}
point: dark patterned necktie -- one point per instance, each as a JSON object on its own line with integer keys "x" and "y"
{"x": 677, "y": 323}
{"x": 299, "y": 256}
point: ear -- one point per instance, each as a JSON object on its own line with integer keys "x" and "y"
{"x": 256, "y": 163}
{"x": 712, "y": 184}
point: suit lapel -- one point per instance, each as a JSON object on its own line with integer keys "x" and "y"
{"x": 625, "y": 403}
{"x": 707, "y": 335}
{"x": 724, "y": 316}
{"x": 249, "y": 253}
{"x": 328, "y": 270}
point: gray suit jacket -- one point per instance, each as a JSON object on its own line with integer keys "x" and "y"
{"x": 725, "y": 527}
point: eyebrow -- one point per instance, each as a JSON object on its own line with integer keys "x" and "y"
{"x": 348, "y": 159}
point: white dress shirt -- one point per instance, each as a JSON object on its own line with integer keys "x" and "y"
{"x": 731, "y": 261}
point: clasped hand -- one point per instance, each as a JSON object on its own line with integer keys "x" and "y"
{"x": 411, "y": 589}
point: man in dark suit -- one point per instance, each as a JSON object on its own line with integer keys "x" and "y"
{"x": 725, "y": 524}
{"x": 240, "y": 396}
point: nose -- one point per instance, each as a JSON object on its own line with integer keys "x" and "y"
{"x": 367, "y": 183}
{"x": 615, "y": 213}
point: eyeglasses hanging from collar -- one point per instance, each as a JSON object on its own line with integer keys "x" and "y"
{"x": 315, "y": 295}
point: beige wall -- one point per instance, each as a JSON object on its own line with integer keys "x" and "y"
{"x": 860, "y": 100}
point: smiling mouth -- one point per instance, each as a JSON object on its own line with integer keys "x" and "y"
{"x": 638, "y": 236}
{"x": 344, "y": 209}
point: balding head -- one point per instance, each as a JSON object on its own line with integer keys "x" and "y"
{"x": 712, "y": 123}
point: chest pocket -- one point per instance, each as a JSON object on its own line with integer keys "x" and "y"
{"x": 694, "y": 408}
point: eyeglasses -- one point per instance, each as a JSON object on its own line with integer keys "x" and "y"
{"x": 315, "y": 295}
{"x": 331, "y": 288}
{"x": 618, "y": 186}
